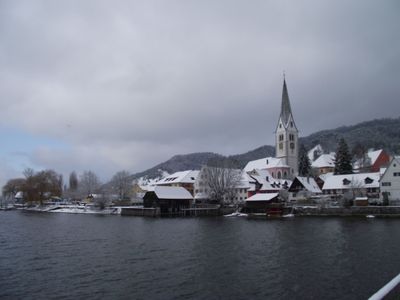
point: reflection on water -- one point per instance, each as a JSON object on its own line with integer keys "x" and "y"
{"x": 70, "y": 256}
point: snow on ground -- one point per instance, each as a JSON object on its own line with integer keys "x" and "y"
{"x": 75, "y": 209}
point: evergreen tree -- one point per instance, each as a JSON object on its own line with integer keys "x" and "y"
{"x": 304, "y": 162}
{"x": 343, "y": 159}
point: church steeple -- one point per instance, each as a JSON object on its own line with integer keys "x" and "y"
{"x": 286, "y": 111}
{"x": 286, "y": 135}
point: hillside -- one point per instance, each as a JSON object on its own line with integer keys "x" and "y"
{"x": 382, "y": 133}
{"x": 377, "y": 134}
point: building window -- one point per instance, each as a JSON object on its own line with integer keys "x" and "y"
{"x": 281, "y": 137}
{"x": 291, "y": 137}
{"x": 346, "y": 181}
{"x": 291, "y": 124}
{"x": 292, "y": 146}
{"x": 368, "y": 180}
{"x": 386, "y": 184}
{"x": 280, "y": 146}
{"x": 396, "y": 174}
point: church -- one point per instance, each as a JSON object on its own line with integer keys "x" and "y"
{"x": 285, "y": 163}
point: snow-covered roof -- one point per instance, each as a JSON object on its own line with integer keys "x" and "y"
{"x": 244, "y": 181}
{"x": 172, "y": 192}
{"x": 262, "y": 197}
{"x": 324, "y": 161}
{"x": 348, "y": 181}
{"x": 265, "y": 163}
{"x": 267, "y": 182}
{"x": 309, "y": 184}
{"x": 373, "y": 155}
{"x": 180, "y": 177}
{"x": 323, "y": 177}
{"x": 310, "y": 153}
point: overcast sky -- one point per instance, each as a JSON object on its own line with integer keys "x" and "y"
{"x": 113, "y": 85}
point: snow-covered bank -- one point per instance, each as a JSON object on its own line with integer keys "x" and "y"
{"x": 75, "y": 209}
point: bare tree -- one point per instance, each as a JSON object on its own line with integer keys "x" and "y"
{"x": 122, "y": 184}
{"x": 13, "y": 186}
{"x": 221, "y": 179}
{"x": 41, "y": 186}
{"x": 89, "y": 183}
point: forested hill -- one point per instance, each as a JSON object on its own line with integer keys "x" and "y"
{"x": 382, "y": 133}
{"x": 377, "y": 134}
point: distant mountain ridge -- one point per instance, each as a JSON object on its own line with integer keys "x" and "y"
{"x": 377, "y": 134}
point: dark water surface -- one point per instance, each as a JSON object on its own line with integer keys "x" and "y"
{"x": 64, "y": 256}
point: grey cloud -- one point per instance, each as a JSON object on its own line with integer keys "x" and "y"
{"x": 187, "y": 76}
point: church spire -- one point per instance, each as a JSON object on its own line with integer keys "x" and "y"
{"x": 286, "y": 111}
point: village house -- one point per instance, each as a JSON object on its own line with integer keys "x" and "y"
{"x": 275, "y": 166}
{"x": 325, "y": 163}
{"x": 261, "y": 181}
{"x": 353, "y": 185}
{"x": 376, "y": 159}
{"x": 390, "y": 182}
{"x": 303, "y": 188}
{"x": 185, "y": 179}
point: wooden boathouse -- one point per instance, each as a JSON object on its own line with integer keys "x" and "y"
{"x": 171, "y": 201}
{"x": 264, "y": 203}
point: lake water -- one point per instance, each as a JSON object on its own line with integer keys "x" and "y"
{"x": 64, "y": 256}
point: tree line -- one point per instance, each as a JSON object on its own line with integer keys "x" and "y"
{"x": 45, "y": 185}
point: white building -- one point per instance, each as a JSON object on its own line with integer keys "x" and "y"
{"x": 390, "y": 182}
{"x": 185, "y": 179}
{"x": 303, "y": 188}
{"x": 354, "y": 185}
{"x": 275, "y": 166}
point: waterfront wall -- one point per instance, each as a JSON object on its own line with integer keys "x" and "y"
{"x": 388, "y": 211}
{"x": 140, "y": 211}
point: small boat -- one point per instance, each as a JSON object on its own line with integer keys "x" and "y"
{"x": 370, "y": 216}
{"x": 236, "y": 214}
{"x": 288, "y": 216}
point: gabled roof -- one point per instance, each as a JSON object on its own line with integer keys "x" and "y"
{"x": 310, "y": 153}
{"x": 323, "y": 177}
{"x": 265, "y": 163}
{"x": 267, "y": 182}
{"x": 373, "y": 155}
{"x": 324, "y": 161}
{"x": 262, "y": 197}
{"x": 309, "y": 184}
{"x": 179, "y": 177}
{"x": 348, "y": 181}
{"x": 171, "y": 192}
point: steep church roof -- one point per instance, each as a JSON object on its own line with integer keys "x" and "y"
{"x": 286, "y": 110}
